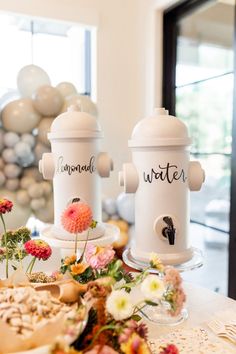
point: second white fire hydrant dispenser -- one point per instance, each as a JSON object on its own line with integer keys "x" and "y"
{"x": 76, "y": 166}
{"x": 161, "y": 177}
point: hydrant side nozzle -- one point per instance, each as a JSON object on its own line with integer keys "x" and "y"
{"x": 128, "y": 178}
{"x": 196, "y": 176}
{"x": 104, "y": 164}
{"x": 46, "y": 166}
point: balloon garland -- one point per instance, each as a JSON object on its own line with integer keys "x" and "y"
{"x": 25, "y": 119}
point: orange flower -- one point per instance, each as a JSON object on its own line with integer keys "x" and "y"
{"x": 78, "y": 268}
{"x": 70, "y": 260}
{"x": 76, "y": 218}
{"x": 135, "y": 345}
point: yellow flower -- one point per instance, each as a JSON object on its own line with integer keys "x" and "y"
{"x": 70, "y": 260}
{"x": 156, "y": 263}
{"x": 135, "y": 345}
{"x": 78, "y": 268}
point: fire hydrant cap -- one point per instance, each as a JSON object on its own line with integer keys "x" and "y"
{"x": 160, "y": 129}
{"x": 75, "y": 124}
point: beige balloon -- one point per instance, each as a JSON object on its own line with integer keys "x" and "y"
{"x": 22, "y": 197}
{"x": 43, "y": 129}
{"x": 39, "y": 150}
{"x": 33, "y": 172}
{"x": 84, "y": 102}
{"x": 48, "y": 101}
{"x": 19, "y": 116}
{"x": 66, "y": 88}
{"x": 46, "y": 214}
{"x": 18, "y": 216}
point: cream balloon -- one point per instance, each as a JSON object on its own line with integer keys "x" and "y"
{"x": 12, "y": 184}
{"x": 30, "y": 78}
{"x": 66, "y": 88}
{"x": 46, "y": 214}
{"x": 20, "y": 116}
{"x": 43, "y": 129}
{"x": 48, "y": 101}
{"x": 35, "y": 191}
{"x": 39, "y": 150}
{"x": 33, "y": 172}
{"x": 84, "y": 102}
{"x": 18, "y": 216}
{"x": 22, "y": 197}
{"x": 26, "y": 182}
{"x": 12, "y": 170}
{"x": 37, "y": 203}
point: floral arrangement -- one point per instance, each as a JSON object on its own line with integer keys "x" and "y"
{"x": 17, "y": 244}
{"x": 114, "y": 322}
{"x": 114, "y": 319}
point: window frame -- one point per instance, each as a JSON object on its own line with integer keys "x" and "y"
{"x": 171, "y": 17}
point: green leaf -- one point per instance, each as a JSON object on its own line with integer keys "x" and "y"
{"x": 151, "y": 303}
{"x": 136, "y": 317}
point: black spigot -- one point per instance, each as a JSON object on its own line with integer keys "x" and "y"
{"x": 169, "y": 230}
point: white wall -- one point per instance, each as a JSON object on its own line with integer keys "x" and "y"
{"x": 129, "y": 62}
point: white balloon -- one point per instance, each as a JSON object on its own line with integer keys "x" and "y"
{"x": 125, "y": 206}
{"x": 28, "y": 139}
{"x": 11, "y": 139}
{"x": 109, "y": 206}
{"x": 66, "y": 88}
{"x": 9, "y": 155}
{"x": 30, "y": 78}
{"x": 12, "y": 170}
{"x": 22, "y": 149}
{"x": 27, "y": 160}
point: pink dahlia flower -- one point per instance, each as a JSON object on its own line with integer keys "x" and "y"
{"x": 99, "y": 257}
{"x": 38, "y": 248}
{"x": 5, "y": 206}
{"x": 77, "y": 217}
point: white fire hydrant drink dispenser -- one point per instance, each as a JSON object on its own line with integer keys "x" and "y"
{"x": 161, "y": 177}
{"x": 76, "y": 166}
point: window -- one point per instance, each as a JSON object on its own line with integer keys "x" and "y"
{"x": 63, "y": 50}
{"x": 198, "y": 87}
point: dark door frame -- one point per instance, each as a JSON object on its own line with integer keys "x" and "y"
{"x": 171, "y": 19}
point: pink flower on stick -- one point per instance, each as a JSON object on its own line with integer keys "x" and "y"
{"x": 38, "y": 249}
{"x": 76, "y": 218}
{"x": 99, "y": 257}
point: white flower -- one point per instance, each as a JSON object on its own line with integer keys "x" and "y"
{"x": 152, "y": 287}
{"x": 119, "y": 305}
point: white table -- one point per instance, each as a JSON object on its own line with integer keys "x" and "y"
{"x": 202, "y": 304}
